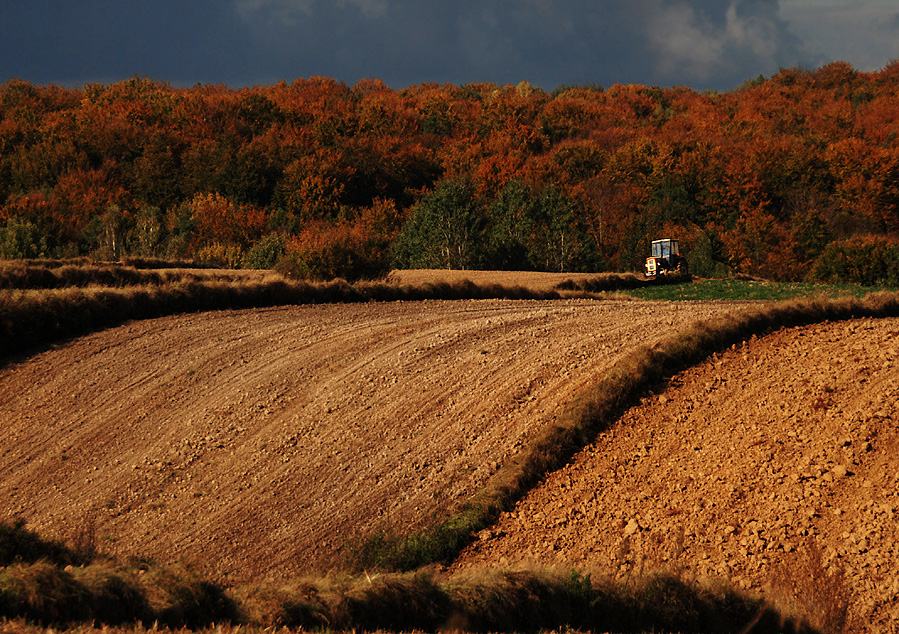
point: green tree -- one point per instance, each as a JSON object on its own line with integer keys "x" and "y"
{"x": 148, "y": 232}
{"x": 558, "y": 239}
{"x": 445, "y": 230}
{"x": 22, "y": 239}
{"x": 512, "y": 215}
{"x": 266, "y": 253}
{"x": 865, "y": 260}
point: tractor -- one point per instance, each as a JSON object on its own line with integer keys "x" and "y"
{"x": 666, "y": 259}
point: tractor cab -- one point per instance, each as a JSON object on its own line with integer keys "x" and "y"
{"x": 665, "y": 259}
{"x": 665, "y": 248}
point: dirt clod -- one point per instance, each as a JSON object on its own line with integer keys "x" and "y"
{"x": 743, "y": 481}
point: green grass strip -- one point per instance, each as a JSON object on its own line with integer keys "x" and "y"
{"x": 747, "y": 290}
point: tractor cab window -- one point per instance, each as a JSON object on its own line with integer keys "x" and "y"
{"x": 664, "y": 248}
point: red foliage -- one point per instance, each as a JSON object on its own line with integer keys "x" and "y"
{"x": 349, "y": 249}
{"x": 768, "y": 173}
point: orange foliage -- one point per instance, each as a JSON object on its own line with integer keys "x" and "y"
{"x": 35, "y": 207}
{"x": 345, "y": 249}
{"x": 217, "y": 220}
{"x": 767, "y": 173}
{"x": 83, "y": 195}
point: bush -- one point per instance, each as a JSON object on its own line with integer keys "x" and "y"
{"x": 22, "y": 239}
{"x": 867, "y": 260}
{"x": 326, "y": 251}
{"x": 266, "y": 253}
{"x": 221, "y": 255}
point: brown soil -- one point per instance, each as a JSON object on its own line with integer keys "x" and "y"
{"x": 737, "y": 470}
{"x": 259, "y": 442}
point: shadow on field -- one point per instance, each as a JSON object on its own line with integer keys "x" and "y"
{"x": 39, "y": 583}
{"x": 612, "y": 282}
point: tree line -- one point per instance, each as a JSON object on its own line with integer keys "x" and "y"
{"x": 789, "y": 177}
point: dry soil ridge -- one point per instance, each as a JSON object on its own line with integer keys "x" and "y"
{"x": 734, "y": 469}
{"x": 257, "y": 442}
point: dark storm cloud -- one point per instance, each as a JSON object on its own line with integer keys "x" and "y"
{"x": 406, "y": 41}
{"x": 700, "y": 43}
{"x": 97, "y": 40}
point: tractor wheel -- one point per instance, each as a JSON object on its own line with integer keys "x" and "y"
{"x": 682, "y": 269}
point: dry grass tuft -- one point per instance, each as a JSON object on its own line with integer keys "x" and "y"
{"x": 112, "y": 596}
{"x": 180, "y": 597}
{"x": 808, "y": 591}
{"x": 610, "y": 282}
{"x": 31, "y": 318}
{"x": 297, "y": 604}
{"x": 42, "y": 592}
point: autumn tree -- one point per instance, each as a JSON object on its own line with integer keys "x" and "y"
{"x": 761, "y": 180}
{"x": 345, "y": 248}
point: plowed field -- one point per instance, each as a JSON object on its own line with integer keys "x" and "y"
{"x": 259, "y": 442}
{"x": 741, "y": 467}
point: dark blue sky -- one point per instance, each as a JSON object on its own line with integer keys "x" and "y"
{"x": 699, "y": 43}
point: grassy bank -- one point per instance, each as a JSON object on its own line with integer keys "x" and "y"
{"x": 40, "y": 585}
{"x": 611, "y": 282}
{"x": 694, "y": 289}
{"x": 34, "y": 277}
{"x": 31, "y": 318}
{"x": 596, "y": 409}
